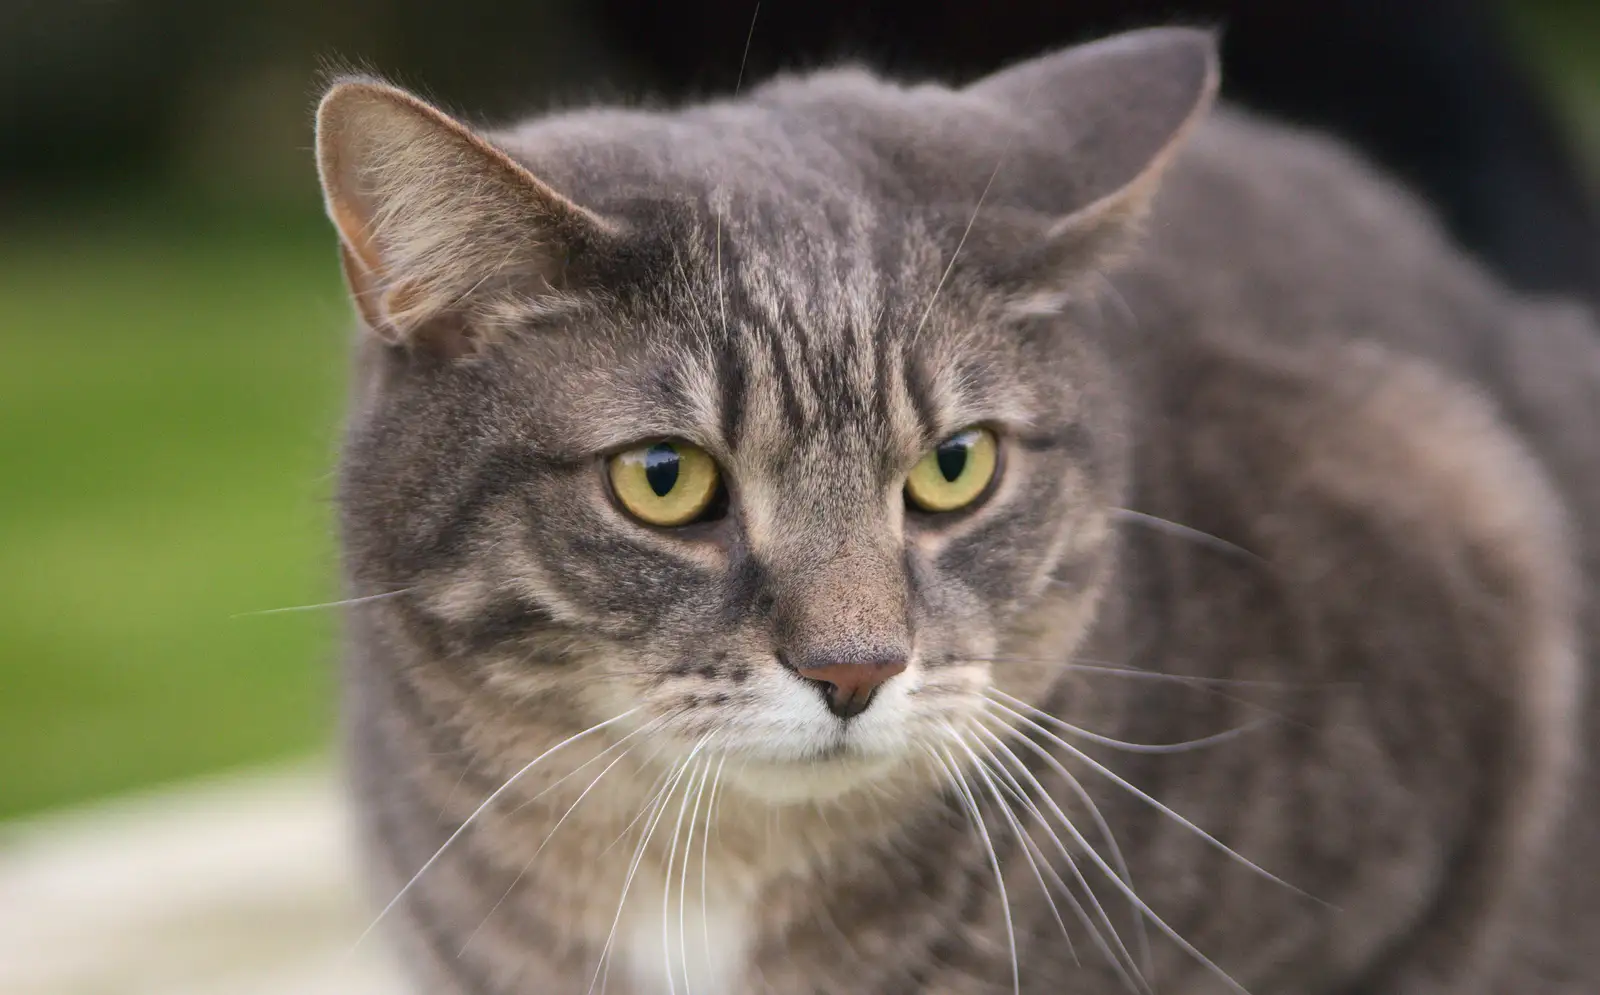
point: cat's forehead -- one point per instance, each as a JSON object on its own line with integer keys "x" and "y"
{"x": 785, "y": 299}
{"x": 775, "y": 361}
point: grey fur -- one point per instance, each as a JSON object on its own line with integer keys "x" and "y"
{"x": 1218, "y": 322}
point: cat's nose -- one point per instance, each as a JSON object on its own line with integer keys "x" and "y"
{"x": 848, "y": 687}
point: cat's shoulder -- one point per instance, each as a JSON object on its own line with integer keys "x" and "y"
{"x": 1383, "y": 487}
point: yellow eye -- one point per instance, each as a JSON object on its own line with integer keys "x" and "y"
{"x": 666, "y": 483}
{"x": 956, "y": 473}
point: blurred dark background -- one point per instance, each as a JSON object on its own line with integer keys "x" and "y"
{"x": 172, "y": 326}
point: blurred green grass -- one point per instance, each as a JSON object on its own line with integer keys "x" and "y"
{"x": 169, "y": 398}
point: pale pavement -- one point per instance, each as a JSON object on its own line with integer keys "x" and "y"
{"x": 241, "y": 887}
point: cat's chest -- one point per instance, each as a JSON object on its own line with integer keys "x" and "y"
{"x": 670, "y": 943}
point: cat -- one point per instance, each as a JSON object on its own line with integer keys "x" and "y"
{"x": 1057, "y": 534}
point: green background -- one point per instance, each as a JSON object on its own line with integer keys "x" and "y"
{"x": 169, "y": 404}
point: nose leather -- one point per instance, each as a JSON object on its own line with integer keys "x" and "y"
{"x": 848, "y": 687}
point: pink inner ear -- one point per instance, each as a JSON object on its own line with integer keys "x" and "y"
{"x": 364, "y": 292}
{"x": 353, "y": 229}
{"x": 427, "y": 211}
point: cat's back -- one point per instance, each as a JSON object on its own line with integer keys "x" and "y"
{"x": 1272, "y": 231}
{"x": 1282, "y": 254}
{"x": 1266, "y": 237}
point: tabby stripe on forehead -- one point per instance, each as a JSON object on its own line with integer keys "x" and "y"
{"x": 793, "y": 412}
{"x": 838, "y": 396}
{"x": 831, "y": 372}
{"x": 917, "y": 390}
{"x": 880, "y": 374}
{"x": 732, "y": 371}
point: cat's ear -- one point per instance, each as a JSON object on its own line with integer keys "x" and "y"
{"x": 1124, "y": 106}
{"x": 436, "y": 225}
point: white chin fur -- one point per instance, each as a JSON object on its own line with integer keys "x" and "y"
{"x": 805, "y": 781}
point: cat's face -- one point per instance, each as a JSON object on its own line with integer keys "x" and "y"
{"x": 731, "y": 448}
{"x": 804, "y": 519}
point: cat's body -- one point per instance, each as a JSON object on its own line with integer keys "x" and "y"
{"x": 1391, "y": 460}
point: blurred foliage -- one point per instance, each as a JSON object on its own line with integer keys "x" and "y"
{"x": 169, "y": 398}
{"x": 1564, "y": 35}
{"x": 171, "y": 356}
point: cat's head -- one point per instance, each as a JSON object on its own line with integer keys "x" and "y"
{"x": 748, "y": 417}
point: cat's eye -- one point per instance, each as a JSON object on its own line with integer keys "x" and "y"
{"x": 955, "y": 473}
{"x": 665, "y": 483}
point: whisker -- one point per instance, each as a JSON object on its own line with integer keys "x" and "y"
{"x": 450, "y": 798}
{"x": 722, "y": 290}
{"x": 1042, "y": 860}
{"x": 705, "y": 842}
{"x": 540, "y": 849}
{"x": 683, "y": 875}
{"x": 1181, "y": 531}
{"x": 656, "y": 807}
{"x": 657, "y": 789}
{"x": 1127, "y": 891}
{"x": 326, "y": 604}
{"x": 1116, "y": 294}
{"x": 1000, "y": 160}
{"x": 1118, "y": 744}
{"x": 965, "y": 792}
{"x": 1150, "y": 800}
{"x": 1207, "y": 685}
{"x": 487, "y": 802}
{"x": 744, "y": 59}
{"x": 1025, "y": 838}
{"x": 688, "y": 285}
{"x": 650, "y": 726}
{"x": 1119, "y": 958}
{"x": 602, "y": 971}
{"x": 666, "y": 879}
{"x": 1086, "y": 665}
{"x": 1137, "y": 979}
{"x": 1102, "y": 826}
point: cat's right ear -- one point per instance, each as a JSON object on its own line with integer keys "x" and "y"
{"x": 439, "y": 230}
{"x": 1123, "y": 107}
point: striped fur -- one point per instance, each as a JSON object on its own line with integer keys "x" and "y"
{"x": 1275, "y": 457}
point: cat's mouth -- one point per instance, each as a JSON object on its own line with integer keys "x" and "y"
{"x": 819, "y": 776}
{"x": 814, "y": 771}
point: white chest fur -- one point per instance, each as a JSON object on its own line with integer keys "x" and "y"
{"x": 671, "y": 944}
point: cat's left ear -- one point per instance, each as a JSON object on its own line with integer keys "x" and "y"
{"x": 1123, "y": 107}
{"x": 440, "y": 231}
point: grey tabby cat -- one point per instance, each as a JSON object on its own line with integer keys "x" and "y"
{"x": 1046, "y": 536}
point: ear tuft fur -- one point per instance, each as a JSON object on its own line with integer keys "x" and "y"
{"x": 437, "y": 226}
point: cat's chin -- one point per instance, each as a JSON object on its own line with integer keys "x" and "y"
{"x": 801, "y": 781}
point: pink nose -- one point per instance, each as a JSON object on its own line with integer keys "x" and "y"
{"x": 848, "y": 687}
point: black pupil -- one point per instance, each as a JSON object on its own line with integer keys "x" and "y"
{"x": 661, "y": 468}
{"x": 952, "y": 457}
